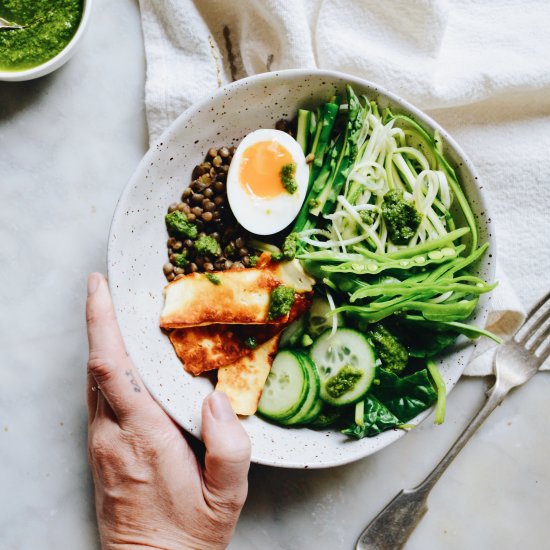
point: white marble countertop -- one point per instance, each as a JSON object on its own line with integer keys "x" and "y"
{"x": 68, "y": 144}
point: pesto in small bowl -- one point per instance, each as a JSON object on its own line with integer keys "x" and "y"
{"x": 48, "y": 27}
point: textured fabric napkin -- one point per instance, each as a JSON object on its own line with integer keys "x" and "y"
{"x": 436, "y": 54}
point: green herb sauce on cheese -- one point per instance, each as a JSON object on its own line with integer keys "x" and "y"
{"x": 214, "y": 279}
{"x": 281, "y": 301}
{"x": 49, "y": 26}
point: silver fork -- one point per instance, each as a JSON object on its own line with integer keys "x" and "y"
{"x": 516, "y": 362}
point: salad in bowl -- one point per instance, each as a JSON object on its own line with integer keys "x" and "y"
{"x": 325, "y": 266}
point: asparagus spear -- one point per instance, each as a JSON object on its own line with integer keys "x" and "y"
{"x": 356, "y": 117}
{"x": 321, "y": 140}
{"x": 320, "y": 146}
{"x": 302, "y": 131}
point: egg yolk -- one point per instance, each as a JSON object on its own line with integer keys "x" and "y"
{"x": 260, "y": 171}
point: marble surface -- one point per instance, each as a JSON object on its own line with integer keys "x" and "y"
{"x": 68, "y": 144}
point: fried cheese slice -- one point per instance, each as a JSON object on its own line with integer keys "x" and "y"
{"x": 213, "y": 346}
{"x": 236, "y": 297}
{"x": 210, "y": 347}
{"x": 244, "y": 380}
{"x": 241, "y": 297}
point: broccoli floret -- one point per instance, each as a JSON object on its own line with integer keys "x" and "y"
{"x": 207, "y": 246}
{"x": 288, "y": 172}
{"x": 176, "y": 222}
{"x": 281, "y": 301}
{"x": 253, "y": 260}
{"x": 180, "y": 260}
{"x": 402, "y": 219}
{"x": 391, "y": 351}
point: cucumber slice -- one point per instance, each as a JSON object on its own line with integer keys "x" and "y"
{"x": 346, "y": 364}
{"x": 286, "y": 387}
{"x": 314, "y": 413}
{"x": 292, "y": 335}
{"x": 309, "y": 407}
{"x": 319, "y": 319}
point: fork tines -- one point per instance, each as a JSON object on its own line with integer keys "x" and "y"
{"x": 536, "y": 329}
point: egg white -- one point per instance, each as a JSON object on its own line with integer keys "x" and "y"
{"x": 265, "y": 216}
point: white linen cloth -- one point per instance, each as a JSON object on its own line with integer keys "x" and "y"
{"x": 484, "y": 61}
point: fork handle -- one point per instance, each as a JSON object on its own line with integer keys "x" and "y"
{"x": 392, "y": 527}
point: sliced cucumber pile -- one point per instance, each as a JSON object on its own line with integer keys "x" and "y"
{"x": 291, "y": 393}
{"x": 286, "y": 387}
{"x": 346, "y": 363}
{"x": 311, "y": 390}
{"x": 312, "y": 405}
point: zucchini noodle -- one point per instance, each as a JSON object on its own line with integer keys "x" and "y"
{"x": 376, "y": 231}
{"x": 389, "y": 157}
{"x": 332, "y": 305}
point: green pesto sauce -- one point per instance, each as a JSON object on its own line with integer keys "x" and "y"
{"x": 288, "y": 173}
{"x": 280, "y": 302}
{"x": 214, "y": 279}
{"x": 343, "y": 382}
{"x": 177, "y": 225}
{"x": 49, "y": 27}
{"x": 180, "y": 260}
{"x": 390, "y": 350}
{"x": 207, "y": 245}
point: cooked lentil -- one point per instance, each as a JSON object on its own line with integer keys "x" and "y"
{"x": 204, "y": 203}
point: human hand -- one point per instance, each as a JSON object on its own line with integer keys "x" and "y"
{"x": 151, "y": 490}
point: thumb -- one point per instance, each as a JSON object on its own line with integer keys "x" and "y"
{"x": 227, "y": 455}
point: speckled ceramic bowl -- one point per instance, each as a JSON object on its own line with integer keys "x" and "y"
{"x": 137, "y": 252}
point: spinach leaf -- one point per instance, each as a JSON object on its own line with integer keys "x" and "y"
{"x": 405, "y": 396}
{"x": 393, "y": 401}
{"x": 421, "y": 340}
{"x": 377, "y": 419}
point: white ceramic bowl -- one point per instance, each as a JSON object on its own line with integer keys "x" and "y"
{"x": 55, "y": 62}
{"x": 137, "y": 252}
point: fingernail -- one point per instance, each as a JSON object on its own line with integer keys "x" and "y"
{"x": 221, "y": 407}
{"x": 93, "y": 282}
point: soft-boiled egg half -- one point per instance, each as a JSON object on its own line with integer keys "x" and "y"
{"x": 255, "y": 189}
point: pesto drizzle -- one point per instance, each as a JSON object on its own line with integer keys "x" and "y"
{"x": 48, "y": 26}
{"x": 288, "y": 174}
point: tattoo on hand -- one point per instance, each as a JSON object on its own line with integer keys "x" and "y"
{"x": 133, "y": 381}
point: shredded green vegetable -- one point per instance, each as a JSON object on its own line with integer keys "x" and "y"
{"x": 379, "y": 203}
{"x": 388, "y": 234}
{"x": 441, "y": 392}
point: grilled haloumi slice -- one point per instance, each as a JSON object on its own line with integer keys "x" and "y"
{"x": 244, "y": 380}
{"x": 213, "y": 346}
{"x": 239, "y": 297}
{"x": 210, "y": 347}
